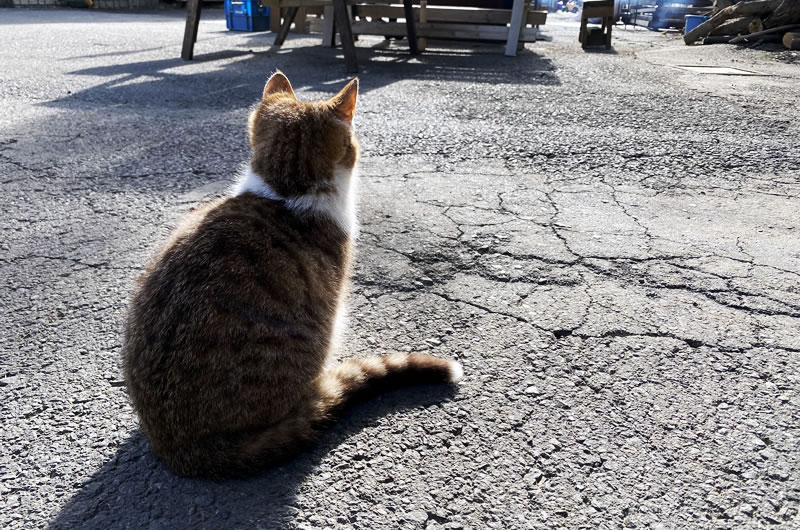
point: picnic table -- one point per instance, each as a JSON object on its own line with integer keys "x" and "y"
{"x": 422, "y": 21}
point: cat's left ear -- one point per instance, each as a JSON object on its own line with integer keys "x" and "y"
{"x": 344, "y": 103}
{"x": 278, "y": 83}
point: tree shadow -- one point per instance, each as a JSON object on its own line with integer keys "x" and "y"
{"x": 134, "y": 490}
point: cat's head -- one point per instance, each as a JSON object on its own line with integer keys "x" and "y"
{"x": 300, "y": 147}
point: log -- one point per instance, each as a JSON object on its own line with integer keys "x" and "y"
{"x": 788, "y": 12}
{"x": 755, "y": 26}
{"x": 742, "y": 9}
{"x": 719, "y": 39}
{"x": 792, "y": 41}
{"x": 746, "y": 39}
{"x": 733, "y": 27}
{"x": 752, "y": 36}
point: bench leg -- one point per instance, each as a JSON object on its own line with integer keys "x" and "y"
{"x": 287, "y": 23}
{"x": 342, "y": 19}
{"x": 583, "y": 33}
{"x": 193, "y": 9}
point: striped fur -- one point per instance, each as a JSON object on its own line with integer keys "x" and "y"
{"x": 230, "y": 333}
{"x": 354, "y": 379}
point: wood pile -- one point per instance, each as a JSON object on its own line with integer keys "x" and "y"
{"x": 750, "y": 21}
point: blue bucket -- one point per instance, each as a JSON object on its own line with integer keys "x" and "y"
{"x": 692, "y": 21}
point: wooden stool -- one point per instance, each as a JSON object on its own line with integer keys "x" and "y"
{"x": 604, "y": 10}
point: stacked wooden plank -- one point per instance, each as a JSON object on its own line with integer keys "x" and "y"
{"x": 444, "y": 22}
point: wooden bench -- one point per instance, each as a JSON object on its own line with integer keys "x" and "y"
{"x": 604, "y": 10}
{"x": 451, "y": 22}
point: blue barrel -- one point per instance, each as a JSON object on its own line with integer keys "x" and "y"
{"x": 692, "y": 21}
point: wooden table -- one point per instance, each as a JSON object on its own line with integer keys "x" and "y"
{"x": 342, "y": 25}
{"x": 520, "y": 17}
{"x": 341, "y": 16}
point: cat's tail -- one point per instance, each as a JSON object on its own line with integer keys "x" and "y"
{"x": 337, "y": 387}
{"x": 356, "y": 379}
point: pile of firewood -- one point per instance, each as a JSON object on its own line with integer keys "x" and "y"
{"x": 750, "y": 21}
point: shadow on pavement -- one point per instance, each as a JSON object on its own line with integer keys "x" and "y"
{"x": 602, "y": 51}
{"x": 134, "y": 490}
{"x": 238, "y": 75}
{"x": 63, "y": 14}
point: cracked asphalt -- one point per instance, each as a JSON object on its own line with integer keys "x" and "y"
{"x": 610, "y": 244}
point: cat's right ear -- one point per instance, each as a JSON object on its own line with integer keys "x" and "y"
{"x": 278, "y": 83}
{"x": 344, "y": 103}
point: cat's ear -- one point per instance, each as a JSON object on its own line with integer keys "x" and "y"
{"x": 278, "y": 83}
{"x": 344, "y": 103}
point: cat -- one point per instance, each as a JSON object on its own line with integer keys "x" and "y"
{"x": 230, "y": 331}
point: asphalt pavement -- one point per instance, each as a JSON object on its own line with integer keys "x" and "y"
{"x": 609, "y": 242}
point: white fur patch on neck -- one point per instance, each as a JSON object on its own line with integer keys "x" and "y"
{"x": 249, "y": 182}
{"x": 339, "y": 205}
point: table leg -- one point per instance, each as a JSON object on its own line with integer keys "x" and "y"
{"x": 193, "y": 9}
{"x": 274, "y": 16}
{"x": 287, "y": 23}
{"x": 422, "y": 42}
{"x": 411, "y": 30}
{"x": 515, "y": 27}
{"x": 342, "y": 19}
{"x": 300, "y": 22}
{"x": 328, "y": 28}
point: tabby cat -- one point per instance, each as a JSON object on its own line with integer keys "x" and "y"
{"x": 230, "y": 331}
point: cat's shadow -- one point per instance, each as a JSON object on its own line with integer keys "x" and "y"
{"x": 134, "y": 490}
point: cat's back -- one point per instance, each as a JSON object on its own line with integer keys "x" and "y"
{"x": 246, "y": 254}
{"x": 239, "y": 278}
